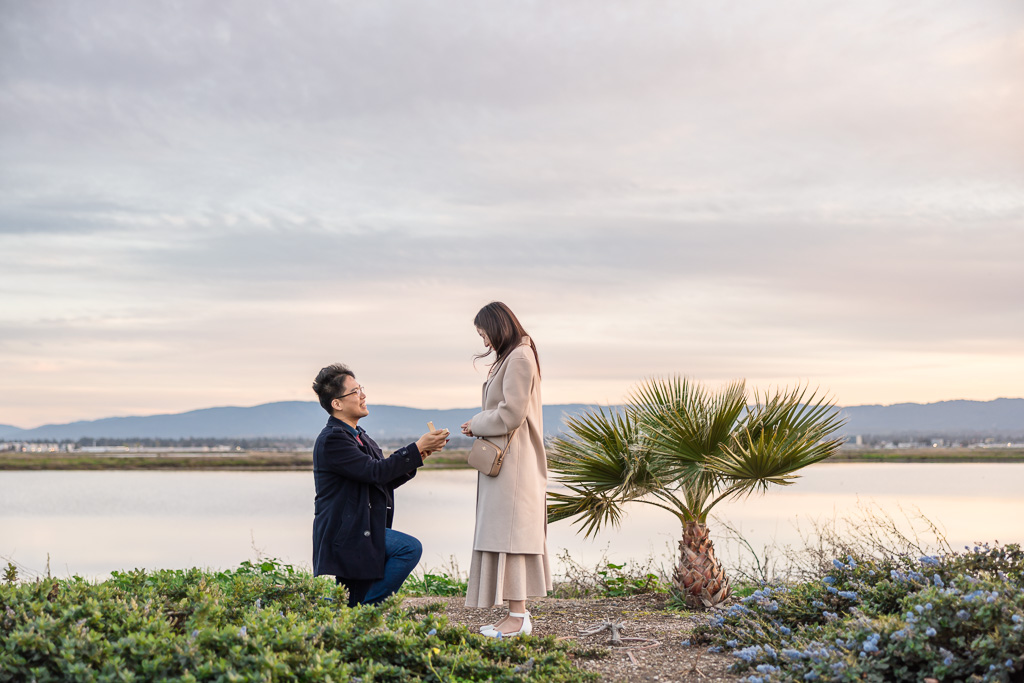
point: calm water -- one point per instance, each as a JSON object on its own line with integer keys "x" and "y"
{"x": 93, "y": 522}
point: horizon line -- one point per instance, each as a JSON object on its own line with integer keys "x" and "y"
{"x": 391, "y": 405}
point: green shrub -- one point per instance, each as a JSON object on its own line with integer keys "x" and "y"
{"x": 607, "y": 579}
{"x": 260, "y": 622}
{"x": 616, "y": 580}
{"x": 434, "y": 584}
{"x": 955, "y": 617}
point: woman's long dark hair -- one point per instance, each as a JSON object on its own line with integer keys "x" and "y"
{"x": 503, "y": 330}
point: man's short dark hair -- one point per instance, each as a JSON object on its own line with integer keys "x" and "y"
{"x": 329, "y": 382}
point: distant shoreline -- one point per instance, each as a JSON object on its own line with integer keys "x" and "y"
{"x": 929, "y": 455}
{"x": 453, "y": 459}
{"x": 242, "y": 460}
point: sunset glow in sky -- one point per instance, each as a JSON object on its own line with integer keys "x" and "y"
{"x": 202, "y": 203}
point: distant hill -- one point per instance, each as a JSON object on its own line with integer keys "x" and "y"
{"x": 304, "y": 419}
{"x": 1003, "y": 416}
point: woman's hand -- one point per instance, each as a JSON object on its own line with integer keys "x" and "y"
{"x": 466, "y": 430}
{"x": 432, "y": 441}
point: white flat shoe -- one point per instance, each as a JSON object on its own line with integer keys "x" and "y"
{"x": 489, "y": 627}
{"x": 524, "y": 630}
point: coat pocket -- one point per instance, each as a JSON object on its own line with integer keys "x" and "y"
{"x": 343, "y": 532}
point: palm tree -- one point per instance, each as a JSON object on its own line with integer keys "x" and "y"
{"x": 684, "y": 449}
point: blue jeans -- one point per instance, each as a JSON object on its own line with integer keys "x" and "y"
{"x": 401, "y": 554}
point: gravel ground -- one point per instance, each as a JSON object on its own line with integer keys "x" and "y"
{"x": 659, "y": 656}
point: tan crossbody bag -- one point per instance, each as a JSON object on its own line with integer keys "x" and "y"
{"x": 486, "y": 456}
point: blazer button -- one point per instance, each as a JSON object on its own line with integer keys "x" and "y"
{"x": 366, "y": 533}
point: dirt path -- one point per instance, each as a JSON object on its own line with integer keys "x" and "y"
{"x": 661, "y": 656}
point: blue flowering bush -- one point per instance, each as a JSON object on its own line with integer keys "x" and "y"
{"x": 261, "y": 622}
{"x": 958, "y": 616}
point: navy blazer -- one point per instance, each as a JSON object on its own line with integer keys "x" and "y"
{"x": 355, "y": 487}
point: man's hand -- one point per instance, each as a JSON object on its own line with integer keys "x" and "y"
{"x": 432, "y": 441}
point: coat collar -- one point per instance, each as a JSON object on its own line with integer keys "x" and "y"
{"x": 354, "y": 431}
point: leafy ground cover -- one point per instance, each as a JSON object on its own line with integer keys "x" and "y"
{"x": 439, "y": 583}
{"x": 262, "y": 622}
{"x": 892, "y": 608}
{"x": 951, "y": 617}
{"x": 608, "y": 579}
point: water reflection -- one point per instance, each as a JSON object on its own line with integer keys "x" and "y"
{"x": 93, "y": 522}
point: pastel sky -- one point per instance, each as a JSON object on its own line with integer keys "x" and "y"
{"x": 202, "y": 203}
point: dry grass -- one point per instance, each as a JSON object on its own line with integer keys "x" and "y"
{"x": 240, "y": 460}
{"x": 869, "y": 532}
{"x": 929, "y": 455}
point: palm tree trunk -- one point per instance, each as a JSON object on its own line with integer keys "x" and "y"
{"x": 699, "y": 577}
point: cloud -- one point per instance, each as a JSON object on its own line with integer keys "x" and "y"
{"x": 208, "y": 200}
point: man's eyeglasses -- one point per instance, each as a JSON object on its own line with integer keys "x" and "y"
{"x": 358, "y": 390}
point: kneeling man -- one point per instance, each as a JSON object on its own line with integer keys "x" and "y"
{"x": 355, "y": 495}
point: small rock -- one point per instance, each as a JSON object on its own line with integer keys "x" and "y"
{"x": 525, "y": 666}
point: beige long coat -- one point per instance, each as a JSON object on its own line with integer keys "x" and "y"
{"x": 511, "y": 508}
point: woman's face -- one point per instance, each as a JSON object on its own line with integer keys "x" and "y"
{"x": 483, "y": 335}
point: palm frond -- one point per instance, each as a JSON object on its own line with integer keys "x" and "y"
{"x": 602, "y": 452}
{"x": 602, "y": 461}
{"x": 684, "y": 425}
{"x": 779, "y": 436}
{"x": 594, "y": 511}
{"x": 683, "y": 448}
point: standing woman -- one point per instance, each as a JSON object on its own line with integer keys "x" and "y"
{"x": 510, "y": 556}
